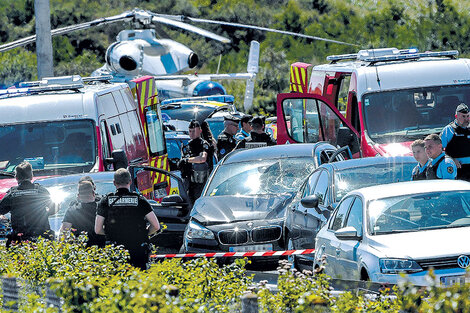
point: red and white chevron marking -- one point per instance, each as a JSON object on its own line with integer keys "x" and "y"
{"x": 234, "y": 254}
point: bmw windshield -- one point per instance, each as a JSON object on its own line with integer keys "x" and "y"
{"x": 51, "y": 147}
{"x": 275, "y": 176}
{"x": 408, "y": 114}
{"x": 436, "y": 210}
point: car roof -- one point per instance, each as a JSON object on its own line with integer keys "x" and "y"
{"x": 363, "y": 162}
{"x": 278, "y": 151}
{"x": 74, "y": 178}
{"x": 411, "y": 187}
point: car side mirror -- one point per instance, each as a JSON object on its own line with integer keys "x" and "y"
{"x": 347, "y": 233}
{"x": 118, "y": 159}
{"x": 173, "y": 200}
{"x": 346, "y": 137}
{"x": 310, "y": 201}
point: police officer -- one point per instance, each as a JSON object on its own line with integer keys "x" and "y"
{"x": 30, "y": 206}
{"x": 193, "y": 164}
{"x": 122, "y": 217}
{"x": 419, "y": 171}
{"x": 81, "y": 214}
{"x": 258, "y": 137}
{"x": 226, "y": 141}
{"x": 456, "y": 141}
{"x": 246, "y": 127}
{"x": 441, "y": 166}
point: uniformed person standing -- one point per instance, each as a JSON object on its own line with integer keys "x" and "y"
{"x": 456, "y": 141}
{"x": 81, "y": 214}
{"x": 123, "y": 215}
{"x": 245, "y": 127}
{"x": 226, "y": 141}
{"x": 258, "y": 137}
{"x": 419, "y": 172}
{"x": 193, "y": 164}
{"x": 441, "y": 166}
{"x": 30, "y": 206}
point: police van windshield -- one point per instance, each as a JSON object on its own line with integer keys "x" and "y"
{"x": 69, "y": 146}
{"x": 405, "y": 115}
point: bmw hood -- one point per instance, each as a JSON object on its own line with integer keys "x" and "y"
{"x": 229, "y": 209}
{"x": 423, "y": 244}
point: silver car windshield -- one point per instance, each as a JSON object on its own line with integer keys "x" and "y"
{"x": 374, "y": 174}
{"x": 260, "y": 177}
{"x": 425, "y": 211}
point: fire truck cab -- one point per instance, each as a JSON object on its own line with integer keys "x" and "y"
{"x": 376, "y": 101}
{"x": 65, "y": 125}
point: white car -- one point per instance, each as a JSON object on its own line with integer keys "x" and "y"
{"x": 378, "y": 232}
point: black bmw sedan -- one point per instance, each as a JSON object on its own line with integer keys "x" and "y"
{"x": 245, "y": 203}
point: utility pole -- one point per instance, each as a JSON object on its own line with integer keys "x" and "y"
{"x": 43, "y": 38}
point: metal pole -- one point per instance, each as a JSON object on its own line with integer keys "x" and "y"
{"x": 43, "y": 38}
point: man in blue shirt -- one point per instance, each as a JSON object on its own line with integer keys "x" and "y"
{"x": 419, "y": 172}
{"x": 456, "y": 141}
{"x": 246, "y": 127}
{"x": 441, "y": 166}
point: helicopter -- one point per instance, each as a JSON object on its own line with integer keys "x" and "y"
{"x": 139, "y": 52}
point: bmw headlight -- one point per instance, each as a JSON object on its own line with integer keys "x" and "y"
{"x": 395, "y": 266}
{"x": 197, "y": 231}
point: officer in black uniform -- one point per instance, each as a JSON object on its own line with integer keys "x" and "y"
{"x": 30, "y": 206}
{"x": 81, "y": 214}
{"x": 456, "y": 141}
{"x": 193, "y": 164}
{"x": 226, "y": 141}
{"x": 123, "y": 215}
{"x": 258, "y": 137}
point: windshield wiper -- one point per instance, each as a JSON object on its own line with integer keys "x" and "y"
{"x": 396, "y": 231}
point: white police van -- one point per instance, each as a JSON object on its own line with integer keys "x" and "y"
{"x": 71, "y": 124}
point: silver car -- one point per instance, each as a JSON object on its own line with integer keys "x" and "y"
{"x": 377, "y": 233}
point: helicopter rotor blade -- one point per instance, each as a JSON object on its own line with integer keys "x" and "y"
{"x": 67, "y": 29}
{"x": 200, "y": 20}
{"x": 158, "y": 18}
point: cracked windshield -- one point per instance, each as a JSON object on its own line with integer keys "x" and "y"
{"x": 266, "y": 177}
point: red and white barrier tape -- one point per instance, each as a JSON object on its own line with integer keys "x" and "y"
{"x": 234, "y": 254}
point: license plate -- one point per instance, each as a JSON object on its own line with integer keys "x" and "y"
{"x": 267, "y": 247}
{"x": 452, "y": 280}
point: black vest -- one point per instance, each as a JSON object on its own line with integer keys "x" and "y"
{"x": 416, "y": 175}
{"x": 123, "y": 224}
{"x": 431, "y": 170}
{"x": 459, "y": 145}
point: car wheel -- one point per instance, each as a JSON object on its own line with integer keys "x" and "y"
{"x": 291, "y": 258}
{"x": 364, "y": 275}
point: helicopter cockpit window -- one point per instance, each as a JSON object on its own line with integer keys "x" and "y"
{"x": 155, "y": 132}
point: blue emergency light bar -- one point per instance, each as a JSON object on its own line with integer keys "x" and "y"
{"x": 410, "y": 56}
{"x": 229, "y": 99}
{"x": 390, "y": 54}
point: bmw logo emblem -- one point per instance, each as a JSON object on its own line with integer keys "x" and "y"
{"x": 463, "y": 261}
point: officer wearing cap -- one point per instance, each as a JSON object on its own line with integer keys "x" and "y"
{"x": 193, "y": 164}
{"x": 80, "y": 216}
{"x": 441, "y": 166}
{"x": 258, "y": 137}
{"x": 246, "y": 127}
{"x": 30, "y": 206}
{"x": 456, "y": 141}
{"x": 226, "y": 141}
{"x": 123, "y": 215}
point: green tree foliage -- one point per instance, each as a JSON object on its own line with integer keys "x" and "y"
{"x": 426, "y": 24}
